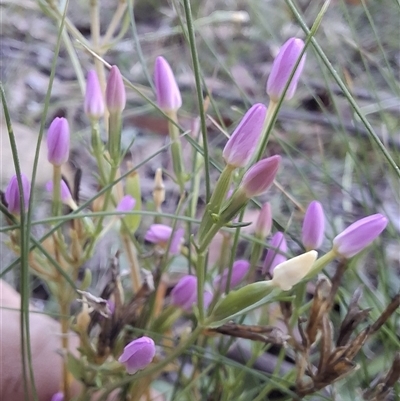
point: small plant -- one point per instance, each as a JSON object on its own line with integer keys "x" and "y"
{"x": 125, "y": 330}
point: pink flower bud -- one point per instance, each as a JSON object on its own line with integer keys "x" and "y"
{"x": 264, "y": 221}
{"x": 274, "y": 255}
{"x": 126, "y": 204}
{"x": 12, "y": 194}
{"x": 138, "y": 354}
{"x": 160, "y": 234}
{"x": 239, "y": 271}
{"x": 167, "y": 91}
{"x": 58, "y": 396}
{"x": 66, "y": 196}
{"x": 260, "y": 177}
{"x": 282, "y": 69}
{"x": 94, "y": 102}
{"x": 241, "y": 145}
{"x": 115, "y": 92}
{"x": 184, "y": 294}
{"x": 313, "y": 226}
{"x": 58, "y": 141}
{"x": 359, "y": 235}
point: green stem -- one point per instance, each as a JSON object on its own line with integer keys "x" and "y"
{"x": 201, "y": 268}
{"x": 269, "y": 123}
{"x": 321, "y": 263}
{"x": 342, "y": 85}
{"x": 99, "y": 225}
{"x": 196, "y": 71}
{"x": 208, "y": 237}
{"x": 56, "y": 191}
{"x": 218, "y": 196}
{"x": 131, "y": 254}
{"x": 176, "y": 150}
{"x": 98, "y": 150}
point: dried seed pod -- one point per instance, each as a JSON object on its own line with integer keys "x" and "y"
{"x": 326, "y": 343}
{"x": 318, "y": 308}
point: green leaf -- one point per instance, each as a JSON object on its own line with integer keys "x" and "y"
{"x": 242, "y": 301}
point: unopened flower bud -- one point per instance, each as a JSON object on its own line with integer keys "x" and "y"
{"x": 167, "y": 91}
{"x": 359, "y": 235}
{"x": 275, "y": 255}
{"x": 264, "y": 221}
{"x": 115, "y": 92}
{"x": 94, "y": 102}
{"x": 58, "y": 141}
{"x": 241, "y": 145}
{"x": 138, "y": 354}
{"x": 184, "y": 294}
{"x": 313, "y": 226}
{"x": 126, "y": 204}
{"x": 239, "y": 271}
{"x": 282, "y": 69}
{"x": 159, "y": 189}
{"x": 160, "y": 234}
{"x": 12, "y": 194}
{"x": 260, "y": 177}
{"x": 289, "y": 273}
{"x": 58, "y": 396}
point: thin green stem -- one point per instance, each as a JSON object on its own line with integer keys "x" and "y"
{"x": 371, "y": 132}
{"x": 196, "y": 70}
{"x": 176, "y": 150}
{"x": 56, "y": 190}
{"x": 200, "y": 269}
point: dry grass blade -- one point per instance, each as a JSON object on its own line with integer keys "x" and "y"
{"x": 391, "y": 308}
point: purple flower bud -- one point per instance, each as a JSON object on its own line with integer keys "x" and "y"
{"x": 160, "y": 234}
{"x": 260, "y": 177}
{"x": 138, "y": 354}
{"x": 167, "y": 91}
{"x": 115, "y": 92}
{"x": 359, "y": 235}
{"x": 282, "y": 69}
{"x": 184, "y": 294}
{"x": 264, "y": 221}
{"x": 239, "y": 271}
{"x": 66, "y": 196}
{"x": 274, "y": 255}
{"x": 126, "y": 204}
{"x": 313, "y": 226}
{"x": 241, "y": 145}
{"x": 12, "y": 194}
{"x": 58, "y": 141}
{"x": 94, "y": 102}
{"x": 58, "y": 396}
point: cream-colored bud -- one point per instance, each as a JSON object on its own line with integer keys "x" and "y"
{"x": 289, "y": 273}
{"x": 159, "y": 189}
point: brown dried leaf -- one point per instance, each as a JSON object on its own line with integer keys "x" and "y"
{"x": 353, "y": 318}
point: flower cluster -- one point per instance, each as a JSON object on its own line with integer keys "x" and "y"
{"x": 210, "y": 294}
